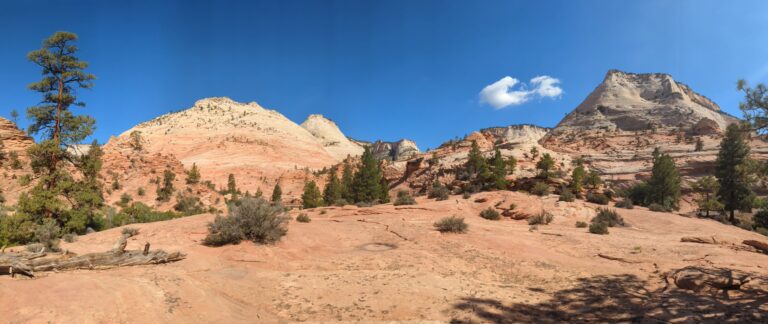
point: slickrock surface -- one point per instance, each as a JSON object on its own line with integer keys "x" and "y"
{"x": 387, "y": 263}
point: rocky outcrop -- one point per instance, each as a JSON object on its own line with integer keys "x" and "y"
{"x": 403, "y": 149}
{"x": 635, "y": 102}
{"x": 516, "y": 134}
{"x": 14, "y": 139}
{"x": 331, "y": 137}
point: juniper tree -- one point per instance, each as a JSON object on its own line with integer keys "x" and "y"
{"x": 14, "y": 116}
{"x": 165, "y": 190}
{"x": 545, "y": 164}
{"x": 277, "y": 194}
{"x": 665, "y": 181}
{"x": 707, "y": 188}
{"x": 593, "y": 180}
{"x": 63, "y": 73}
{"x": 311, "y": 197}
{"x": 333, "y": 190}
{"x": 732, "y": 171}
{"x": 232, "y": 184}
{"x": 577, "y": 180}
{"x": 193, "y": 176}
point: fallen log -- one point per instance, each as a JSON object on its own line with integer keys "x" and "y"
{"x": 701, "y": 240}
{"x": 760, "y": 246}
{"x": 28, "y": 263}
{"x": 613, "y": 258}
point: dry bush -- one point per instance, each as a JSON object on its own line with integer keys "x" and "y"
{"x": 451, "y": 224}
{"x": 254, "y": 219}
{"x": 490, "y": 214}
{"x": 542, "y": 218}
{"x": 303, "y": 218}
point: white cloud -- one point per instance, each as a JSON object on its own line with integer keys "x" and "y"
{"x": 510, "y": 92}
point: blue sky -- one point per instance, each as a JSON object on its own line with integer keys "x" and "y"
{"x": 380, "y": 69}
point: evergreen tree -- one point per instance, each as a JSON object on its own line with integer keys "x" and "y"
{"x": 15, "y": 116}
{"x": 577, "y": 180}
{"x": 277, "y": 194}
{"x": 384, "y": 193}
{"x": 258, "y": 193}
{"x": 511, "y": 165}
{"x": 665, "y": 181}
{"x": 347, "y": 177}
{"x": 232, "y": 185}
{"x": 499, "y": 167}
{"x": 311, "y": 197}
{"x": 707, "y": 187}
{"x": 755, "y": 105}
{"x": 593, "y": 179}
{"x": 732, "y": 171}
{"x": 193, "y": 176}
{"x": 165, "y": 190}
{"x": 366, "y": 183}
{"x": 545, "y": 165}
{"x": 699, "y": 145}
{"x": 475, "y": 160}
{"x": 59, "y": 195}
{"x": 333, "y": 190}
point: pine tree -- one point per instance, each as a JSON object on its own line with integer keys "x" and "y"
{"x": 475, "y": 160}
{"x": 15, "y": 116}
{"x": 165, "y": 190}
{"x": 193, "y": 176}
{"x": 755, "y": 105}
{"x": 311, "y": 197}
{"x": 593, "y": 179}
{"x": 384, "y": 191}
{"x": 699, "y": 145}
{"x": 707, "y": 188}
{"x": 277, "y": 194}
{"x": 366, "y": 183}
{"x": 511, "y": 165}
{"x": 258, "y": 193}
{"x": 499, "y": 167}
{"x": 665, "y": 181}
{"x": 333, "y": 190}
{"x": 232, "y": 185}
{"x": 347, "y": 178}
{"x": 545, "y": 165}
{"x": 58, "y": 194}
{"x": 732, "y": 171}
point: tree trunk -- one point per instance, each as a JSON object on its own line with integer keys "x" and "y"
{"x": 27, "y": 263}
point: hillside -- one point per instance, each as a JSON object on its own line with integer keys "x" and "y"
{"x": 387, "y": 263}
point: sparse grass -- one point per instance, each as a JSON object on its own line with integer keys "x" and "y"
{"x": 658, "y": 208}
{"x": 130, "y": 231}
{"x": 581, "y": 224}
{"x": 540, "y": 189}
{"x": 404, "y": 198}
{"x": 303, "y": 218}
{"x": 490, "y": 214}
{"x": 625, "y": 203}
{"x": 566, "y": 195}
{"x": 597, "y": 198}
{"x": 542, "y": 218}
{"x": 608, "y": 216}
{"x": 323, "y": 212}
{"x": 451, "y": 224}
{"x": 69, "y": 237}
{"x": 598, "y": 228}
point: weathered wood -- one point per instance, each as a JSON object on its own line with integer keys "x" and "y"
{"x": 701, "y": 240}
{"x": 617, "y": 258}
{"x": 28, "y": 263}
{"x": 761, "y": 246}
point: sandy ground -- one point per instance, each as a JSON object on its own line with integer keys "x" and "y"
{"x": 387, "y": 263}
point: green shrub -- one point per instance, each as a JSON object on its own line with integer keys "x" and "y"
{"x": 125, "y": 199}
{"x": 25, "y": 180}
{"x": 254, "y": 220}
{"x": 542, "y": 218}
{"x": 323, "y": 212}
{"x": 512, "y": 206}
{"x": 598, "y": 228}
{"x": 303, "y": 218}
{"x": 451, "y": 224}
{"x": 762, "y": 230}
{"x": 566, "y": 195}
{"x": 581, "y": 224}
{"x": 404, "y": 198}
{"x": 540, "y": 189}
{"x": 490, "y": 214}
{"x": 188, "y": 205}
{"x": 364, "y": 204}
{"x": 438, "y": 191}
{"x": 69, "y": 237}
{"x": 639, "y": 193}
{"x": 608, "y": 216}
{"x": 760, "y": 218}
{"x": 138, "y": 212}
{"x": 141, "y": 192}
{"x": 625, "y": 203}
{"x": 658, "y": 208}
{"x": 597, "y": 198}
{"x": 47, "y": 234}
{"x": 466, "y": 195}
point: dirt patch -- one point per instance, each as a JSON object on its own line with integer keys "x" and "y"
{"x": 378, "y": 247}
